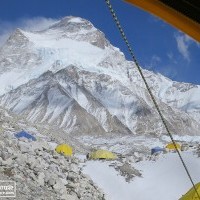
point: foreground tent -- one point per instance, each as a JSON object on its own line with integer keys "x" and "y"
{"x": 171, "y": 146}
{"x": 191, "y": 194}
{"x": 102, "y": 154}
{"x": 25, "y": 135}
{"x": 156, "y": 150}
{"x": 182, "y": 14}
{"x": 64, "y": 149}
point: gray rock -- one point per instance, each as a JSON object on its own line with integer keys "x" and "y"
{"x": 72, "y": 177}
{"x": 72, "y": 185}
{"x": 59, "y": 186}
{"x": 75, "y": 167}
{"x": 64, "y": 181}
{"x": 48, "y": 175}
{"x": 184, "y": 147}
{"x": 24, "y": 147}
{"x": 51, "y": 181}
{"x": 69, "y": 197}
{"x": 7, "y": 162}
{"x": 40, "y": 179}
{"x": 5, "y": 155}
{"x": 32, "y": 175}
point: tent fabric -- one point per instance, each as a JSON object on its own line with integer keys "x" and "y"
{"x": 25, "y": 135}
{"x": 102, "y": 154}
{"x": 156, "y": 149}
{"x": 191, "y": 194}
{"x": 171, "y": 146}
{"x": 185, "y": 7}
{"x": 182, "y": 14}
{"x": 64, "y": 149}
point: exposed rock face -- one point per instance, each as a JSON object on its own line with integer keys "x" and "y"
{"x": 128, "y": 171}
{"x": 17, "y": 52}
{"x": 81, "y": 30}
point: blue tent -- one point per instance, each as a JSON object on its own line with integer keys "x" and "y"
{"x": 156, "y": 149}
{"x": 25, "y": 134}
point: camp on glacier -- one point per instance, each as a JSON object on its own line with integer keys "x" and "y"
{"x": 77, "y": 122}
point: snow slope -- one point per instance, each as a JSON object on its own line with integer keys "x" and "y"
{"x": 162, "y": 179}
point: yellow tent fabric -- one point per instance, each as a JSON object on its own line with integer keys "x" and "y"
{"x": 191, "y": 194}
{"x": 174, "y": 15}
{"x": 64, "y": 149}
{"x": 171, "y": 146}
{"x": 102, "y": 154}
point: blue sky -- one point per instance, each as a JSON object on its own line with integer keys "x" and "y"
{"x": 157, "y": 46}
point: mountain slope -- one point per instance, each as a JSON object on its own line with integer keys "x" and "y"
{"x": 70, "y": 75}
{"x": 45, "y": 100}
{"x": 84, "y": 102}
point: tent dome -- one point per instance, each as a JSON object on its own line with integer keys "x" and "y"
{"x": 102, "y": 154}
{"x": 191, "y": 194}
{"x": 25, "y": 135}
{"x": 171, "y": 146}
{"x": 64, "y": 149}
{"x": 156, "y": 149}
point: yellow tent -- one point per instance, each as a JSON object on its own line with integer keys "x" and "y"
{"x": 102, "y": 154}
{"x": 64, "y": 149}
{"x": 191, "y": 194}
{"x": 171, "y": 146}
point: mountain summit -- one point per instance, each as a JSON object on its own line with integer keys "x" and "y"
{"x": 70, "y": 76}
{"x": 72, "y": 24}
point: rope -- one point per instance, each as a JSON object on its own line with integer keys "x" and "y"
{"x": 149, "y": 91}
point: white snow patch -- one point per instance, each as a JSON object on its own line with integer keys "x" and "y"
{"x": 162, "y": 179}
{"x": 75, "y": 20}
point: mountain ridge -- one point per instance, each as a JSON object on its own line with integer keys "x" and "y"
{"x": 96, "y": 77}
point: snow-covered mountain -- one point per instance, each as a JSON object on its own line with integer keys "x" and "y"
{"x": 70, "y": 76}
